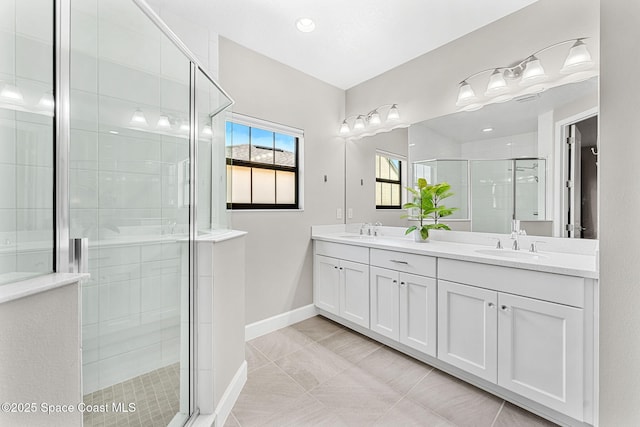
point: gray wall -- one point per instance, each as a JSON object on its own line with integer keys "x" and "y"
{"x": 279, "y": 264}
{"x": 619, "y": 213}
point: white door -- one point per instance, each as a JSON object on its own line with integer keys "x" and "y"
{"x": 418, "y": 316}
{"x": 540, "y": 352}
{"x": 384, "y": 290}
{"x": 574, "y": 228}
{"x": 467, "y": 328}
{"x": 354, "y": 292}
{"x": 326, "y": 282}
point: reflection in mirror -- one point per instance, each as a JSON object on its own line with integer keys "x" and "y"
{"x": 517, "y": 160}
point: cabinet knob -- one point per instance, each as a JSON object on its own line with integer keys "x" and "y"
{"x": 505, "y": 308}
{"x": 403, "y": 284}
{"x": 395, "y": 281}
{"x": 340, "y": 268}
{"x": 335, "y": 266}
{"x": 491, "y": 304}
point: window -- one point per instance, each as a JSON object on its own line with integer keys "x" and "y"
{"x": 262, "y": 164}
{"x": 388, "y": 182}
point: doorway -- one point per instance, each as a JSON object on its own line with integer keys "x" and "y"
{"x": 581, "y": 179}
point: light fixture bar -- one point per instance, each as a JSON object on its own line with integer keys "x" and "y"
{"x": 371, "y": 120}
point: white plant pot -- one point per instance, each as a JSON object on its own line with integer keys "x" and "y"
{"x": 418, "y": 237}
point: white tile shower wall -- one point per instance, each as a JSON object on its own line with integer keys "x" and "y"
{"x": 127, "y": 188}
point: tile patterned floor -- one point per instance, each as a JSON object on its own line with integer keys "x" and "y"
{"x": 156, "y": 395}
{"x": 317, "y": 373}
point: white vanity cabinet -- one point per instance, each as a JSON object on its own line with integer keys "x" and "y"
{"x": 531, "y": 346}
{"x": 341, "y": 281}
{"x": 403, "y": 304}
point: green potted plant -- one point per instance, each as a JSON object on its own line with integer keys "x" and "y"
{"x": 427, "y": 200}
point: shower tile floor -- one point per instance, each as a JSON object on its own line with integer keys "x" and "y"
{"x": 318, "y": 373}
{"x": 156, "y": 395}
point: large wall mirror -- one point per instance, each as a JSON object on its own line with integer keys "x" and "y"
{"x": 533, "y": 158}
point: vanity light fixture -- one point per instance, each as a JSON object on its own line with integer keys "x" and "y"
{"x": 184, "y": 126}
{"x": 163, "y": 122}
{"x": 46, "y": 101}
{"x": 529, "y": 74}
{"x": 11, "y": 93}
{"x": 138, "y": 118}
{"x": 375, "y": 121}
{"x": 207, "y": 130}
{"x": 305, "y": 25}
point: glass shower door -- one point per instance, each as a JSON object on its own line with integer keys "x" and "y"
{"x": 130, "y": 196}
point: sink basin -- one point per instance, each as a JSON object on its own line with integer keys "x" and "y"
{"x": 506, "y": 253}
{"x": 358, "y": 237}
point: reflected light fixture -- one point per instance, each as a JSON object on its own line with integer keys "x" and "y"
{"x": 184, "y": 126}
{"x": 488, "y": 129}
{"x": 11, "y": 93}
{"x": 138, "y": 118}
{"x": 371, "y": 121}
{"x": 163, "y": 122}
{"x": 528, "y": 72}
{"x": 46, "y": 101}
{"x": 207, "y": 130}
{"x": 305, "y": 25}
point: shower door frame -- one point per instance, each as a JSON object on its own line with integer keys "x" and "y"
{"x": 62, "y": 76}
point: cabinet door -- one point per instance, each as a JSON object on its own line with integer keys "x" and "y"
{"x": 418, "y": 312}
{"x": 326, "y": 281}
{"x": 467, "y": 328}
{"x": 384, "y": 302}
{"x": 540, "y": 352}
{"x": 354, "y": 292}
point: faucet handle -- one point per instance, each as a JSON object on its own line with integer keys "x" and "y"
{"x": 534, "y": 245}
{"x": 498, "y": 242}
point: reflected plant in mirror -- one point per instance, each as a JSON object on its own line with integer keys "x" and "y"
{"x": 427, "y": 200}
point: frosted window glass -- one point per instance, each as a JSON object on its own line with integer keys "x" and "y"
{"x": 264, "y": 186}
{"x": 285, "y": 187}
{"x": 240, "y": 184}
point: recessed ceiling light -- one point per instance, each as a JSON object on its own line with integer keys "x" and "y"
{"x": 487, "y": 130}
{"x": 306, "y": 25}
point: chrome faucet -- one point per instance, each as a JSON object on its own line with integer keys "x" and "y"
{"x": 367, "y": 226}
{"x": 376, "y": 228}
{"x": 515, "y": 232}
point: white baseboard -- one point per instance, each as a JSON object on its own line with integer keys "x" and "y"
{"x": 263, "y": 327}
{"x": 230, "y": 395}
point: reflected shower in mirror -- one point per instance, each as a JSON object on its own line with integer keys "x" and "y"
{"x": 516, "y": 158}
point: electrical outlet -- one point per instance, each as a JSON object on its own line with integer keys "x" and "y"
{"x": 350, "y": 213}
{"x": 339, "y": 213}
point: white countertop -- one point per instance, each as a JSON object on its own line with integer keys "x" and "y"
{"x": 23, "y": 288}
{"x": 571, "y": 264}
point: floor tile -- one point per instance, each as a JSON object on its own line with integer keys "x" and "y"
{"x": 407, "y": 413}
{"x": 268, "y": 390}
{"x": 317, "y": 327}
{"x": 356, "y": 397}
{"x": 305, "y": 411}
{"x": 255, "y": 358}
{"x": 350, "y": 345}
{"x": 513, "y": 416}
{"x": 459, "y": 402}
{"x": 398, "y": 371}
{"x": 231, "y": 421}
{"x": 312, "y": 365}
{"x": 280, "y": 343}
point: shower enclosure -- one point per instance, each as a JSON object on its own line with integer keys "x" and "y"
{"x": 110, "y": 132}
{"x": 490, "y": 193}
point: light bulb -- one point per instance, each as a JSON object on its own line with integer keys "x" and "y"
{"x": 394, "y": 113}
{"x": 305, "y": 25}
{"x": 184, "y": 126}
{"x": 579, "y": 59}
{"x": 11, "y": 93}
{"x": 374, "y": 118}
{"x": 47, "y": 102}
{"x": 533, "y": 72}
{"x": 466, "y": 95}
{"x": 497, "y": 84}
{"x": 163, "y": 122}
{"x": 344, "y": 127}
{"x": 359, "y": 124}
{"x": 138, "y": 118}
{"x": 207, "y": 130}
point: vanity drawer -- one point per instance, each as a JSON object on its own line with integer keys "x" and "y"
{"x": 567, "y": 290}
{"x": 421, "y": 265}
{"x": 337, "y": 250}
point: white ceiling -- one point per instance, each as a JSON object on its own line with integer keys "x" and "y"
{"x": 354, "y": 40}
